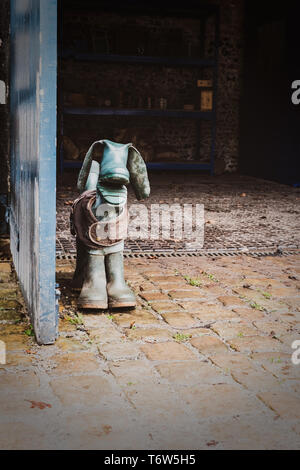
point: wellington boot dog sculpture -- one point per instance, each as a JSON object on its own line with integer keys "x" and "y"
{"x": 99, "y": 222}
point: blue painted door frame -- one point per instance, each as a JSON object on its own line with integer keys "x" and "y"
{"x": 33, "y": 158}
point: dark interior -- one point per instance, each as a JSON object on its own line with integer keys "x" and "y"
{"x": 157, "y": 76}
{"x": 269, "y": 138}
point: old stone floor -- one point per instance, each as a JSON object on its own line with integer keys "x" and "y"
{"x": 204, "y": 362}
{"x": 240, "y": 212}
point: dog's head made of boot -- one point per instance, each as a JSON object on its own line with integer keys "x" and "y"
{"x": 119, "y": 165}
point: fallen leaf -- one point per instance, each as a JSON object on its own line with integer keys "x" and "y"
{"x": 39, "y": 404}
{"x": 107, "y": 429}
{"x": 212, "y": 443}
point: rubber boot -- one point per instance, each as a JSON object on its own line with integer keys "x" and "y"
{"x": 119, "y": 294}
{"x": 78, "y": 277}
{"x": 93, "y": 293}
{"x": 114, "y": 163}
{"x": 91, "y": 183}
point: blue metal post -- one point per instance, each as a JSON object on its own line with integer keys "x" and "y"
{"x": 33, "y": 158}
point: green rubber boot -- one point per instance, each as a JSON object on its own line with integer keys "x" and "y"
{"x": 114, "y": 163}
{"x": 93, "y": 293}
{"x": 119, "y": 294}
{"x": 78, "y": 277}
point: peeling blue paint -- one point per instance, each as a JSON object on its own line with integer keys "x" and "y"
{"x": 33, "y": 158}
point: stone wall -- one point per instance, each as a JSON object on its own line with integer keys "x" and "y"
{"x": 170, "y": 136}
{"x": 229, "y": 84}
{"x": 132, "y": 86}
{"x": 4, "y": 108}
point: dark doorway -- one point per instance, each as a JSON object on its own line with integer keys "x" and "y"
{"x": 269, "y": 144}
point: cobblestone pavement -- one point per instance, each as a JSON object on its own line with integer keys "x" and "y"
{"x": 240, "y": 212}
{"x": 204, "y": 362}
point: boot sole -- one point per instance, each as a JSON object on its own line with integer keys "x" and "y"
{"x": 121, "y": 304}
{"x": 96, "y": 305}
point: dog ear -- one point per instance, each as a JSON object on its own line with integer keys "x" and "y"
{"x": 138, "y": 174}
{"x": 92, "y": 154}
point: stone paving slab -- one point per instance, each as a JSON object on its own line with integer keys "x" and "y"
{"x": 211, "y": 372}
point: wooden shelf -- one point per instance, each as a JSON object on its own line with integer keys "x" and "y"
{"x": 79, "y": 55}
{"x": 132, "y": 59}
{"x": 176, "y": 113}
{"x": 188, "y": 165}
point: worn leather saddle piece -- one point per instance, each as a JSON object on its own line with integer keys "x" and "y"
{"x": 92, "y": 232}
